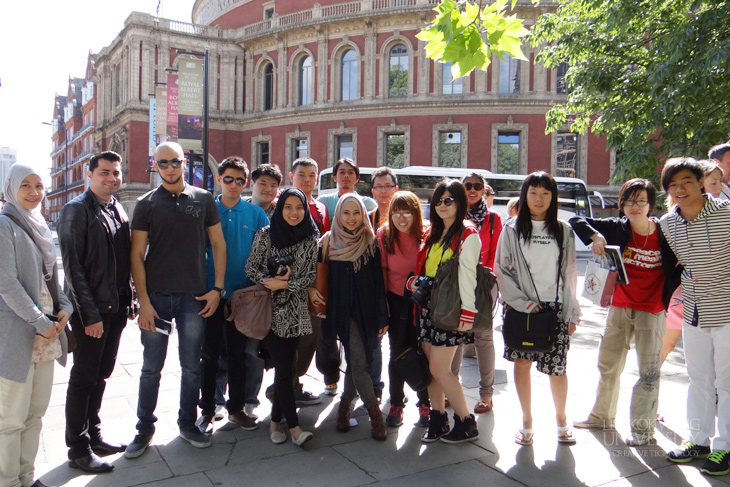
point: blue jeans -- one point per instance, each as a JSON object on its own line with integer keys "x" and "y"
{"x": 191, "y": 329}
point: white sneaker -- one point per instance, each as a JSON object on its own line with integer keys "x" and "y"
{"x": 248, "y": 409}
{"x": 220, "y": 411}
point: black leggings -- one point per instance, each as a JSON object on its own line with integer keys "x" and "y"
{"x": 283, "y": 352}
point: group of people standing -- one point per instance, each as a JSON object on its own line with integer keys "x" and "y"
{"x": 186, "y": 252}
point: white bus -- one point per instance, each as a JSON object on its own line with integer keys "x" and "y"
{"x": 573, "y": 195}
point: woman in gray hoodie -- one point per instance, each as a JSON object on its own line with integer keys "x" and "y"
{"x": 533, "y": 273}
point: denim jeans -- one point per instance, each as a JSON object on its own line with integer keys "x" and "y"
{"x": 184, "y": 308}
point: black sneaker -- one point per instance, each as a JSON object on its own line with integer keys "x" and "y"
{"x": 463, "y": 430}
{"x": 718, "y": 463}
{"x": 688, "y": 452}
{"x": 304, "y": 398}
{"x": 138, "y": 446}
{"x": 195, "y": 437}
{"x": 438, "y": 426}
{"x": 395, "y": 416}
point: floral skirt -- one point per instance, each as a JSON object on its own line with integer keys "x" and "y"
{"x": 553, "y": 362}
{"x": 440, "y": 338}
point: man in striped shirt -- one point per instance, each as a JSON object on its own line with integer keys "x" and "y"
{"x": 697, "y": 230}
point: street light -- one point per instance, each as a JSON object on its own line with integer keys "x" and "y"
{"x": 62, "y": 128}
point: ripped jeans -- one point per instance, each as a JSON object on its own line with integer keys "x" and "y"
{"x": 647, "y": 329}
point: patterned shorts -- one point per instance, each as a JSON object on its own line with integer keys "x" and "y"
{"x": 553, "y": 362}
{"x": 440, "y": 338}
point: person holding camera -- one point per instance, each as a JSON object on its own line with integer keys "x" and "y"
{"x": 399, "y": 241}
{"x": 356, "y": 305}
{"x": 448, "y": 233}
{"x": 283, "y": 258}
{"x": 536, "y": 269}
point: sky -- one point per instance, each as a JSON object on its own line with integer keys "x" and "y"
{"x": 44, "y": 43}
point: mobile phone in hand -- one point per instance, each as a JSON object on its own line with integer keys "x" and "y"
{"x": 163, "y": 326}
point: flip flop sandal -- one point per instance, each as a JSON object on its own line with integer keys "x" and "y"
{"x": 521, "y": 438}
{"x": 565, "y": 435}
{"x": 482, "y": 407}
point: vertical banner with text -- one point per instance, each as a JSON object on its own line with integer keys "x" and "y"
{"x": 152, "y": 143}
{"x": 161, "y": 113}
{"x": 190, "y": 103}
{"x": 172, "y": 100}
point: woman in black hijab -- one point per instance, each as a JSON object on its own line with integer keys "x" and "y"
{"x": 292, "y": 238}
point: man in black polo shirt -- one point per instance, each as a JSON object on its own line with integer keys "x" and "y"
{"x": 93, "y": 233}
{"x": 170, "y": 278}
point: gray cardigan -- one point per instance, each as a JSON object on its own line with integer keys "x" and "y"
{"x": 514, "y": 282}
{"x": 21, "y": 281}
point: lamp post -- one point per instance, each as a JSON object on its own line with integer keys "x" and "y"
{"x": 62, "y": 128}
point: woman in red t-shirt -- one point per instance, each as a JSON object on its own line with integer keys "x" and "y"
{"x": 637, "y": 310}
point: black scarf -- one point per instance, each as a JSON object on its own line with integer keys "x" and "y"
{"x": 283, "y": 234}
{"x": 477, "y": 213}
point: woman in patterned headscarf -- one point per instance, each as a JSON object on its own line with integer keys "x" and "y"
{"x": 356, "y": 306}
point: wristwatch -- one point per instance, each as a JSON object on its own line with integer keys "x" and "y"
{"x": 222, "y": 292}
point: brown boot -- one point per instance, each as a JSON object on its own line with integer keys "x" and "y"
{"x": 376, "y": 423}
{"x": 342, "y": 423}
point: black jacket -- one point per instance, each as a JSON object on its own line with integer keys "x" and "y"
{"x": 617, "y": 231}
{"x": 89, "y": 261}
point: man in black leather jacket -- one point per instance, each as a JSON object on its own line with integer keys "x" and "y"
{"x": 93, "y": 232}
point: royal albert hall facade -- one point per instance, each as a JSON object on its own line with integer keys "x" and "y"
{"x": 290, "y": 78}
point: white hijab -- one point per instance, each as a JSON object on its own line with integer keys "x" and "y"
{"x": 33, "y": 219}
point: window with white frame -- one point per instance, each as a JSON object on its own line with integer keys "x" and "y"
{"x": 306, "y": 80}
{"x": 509, "y": 75}
{"x": 567, "y": 154}
{"x": 449, "y": 149}
{"x": 398, "y": 75}
{"x": 268, "y": 82}
{"x": 343, "y": 147}
{"x": 349, "y": 76}
{"x": 395, "y": 150}
{"x": 508, "y": 153}
{"x": 451, "y": 86}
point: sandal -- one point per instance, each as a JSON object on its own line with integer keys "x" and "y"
{"x": 483, "y": 407}
{"x": 524, "y": 437}
{"x": 565, "y": 435}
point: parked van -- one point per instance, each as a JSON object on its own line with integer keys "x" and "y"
{"x": 573, "y": 195}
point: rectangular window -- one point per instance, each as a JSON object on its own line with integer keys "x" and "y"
{"x": 395, "y": 150}
{"x": 262, "y": 151}
{"x": 509, "y": 75}
{"x": 508, "y": 153}
{"x": 299, "y": 148}
{"x": 567, "y": 154}
{"x": 450, "y": 85}
{"x": 344, "y": 146}
{"x": 450, "y": 149}
{"x": 562, "y": 85}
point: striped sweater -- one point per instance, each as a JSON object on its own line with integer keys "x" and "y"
{"x": 702, "y": 248}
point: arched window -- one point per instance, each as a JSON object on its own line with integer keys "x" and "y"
{"x": 305, "y": 80}
{"x": 269, "y": 87}
{"x": 349, "y": 76}
{"x": 398, "y": 76}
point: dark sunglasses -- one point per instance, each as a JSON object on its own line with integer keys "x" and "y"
{"x": 476, "y": 186}
{"x": 448, "y": 201}
{"x": 163, "y": 163}
{"x": 230, "y": 179}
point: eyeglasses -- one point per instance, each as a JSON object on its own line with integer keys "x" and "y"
{"x": 476, "y": 186}
{"x": 403, "y": 214}
{"x": 488, "y": 194}
{"x": 448, "y": 201}
{"x": 164, "y": 163}
{"x": 639, "y": 203}
{"x": 383, "y": 188}
{"x": 230, "y": 179}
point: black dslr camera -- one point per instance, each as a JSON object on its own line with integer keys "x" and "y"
{"x": 277, "y": 265}
{"x": 423, "y": 293}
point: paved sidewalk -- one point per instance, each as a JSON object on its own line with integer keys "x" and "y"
{"x": 239, "y": 457}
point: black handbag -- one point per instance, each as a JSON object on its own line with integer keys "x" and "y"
{"x": 533, "y": 332}
{"x": 412, "y": 365}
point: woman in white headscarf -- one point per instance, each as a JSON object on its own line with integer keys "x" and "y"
{"x": 33, "y": 314}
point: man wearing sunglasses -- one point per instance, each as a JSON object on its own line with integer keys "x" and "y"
{"x": 175, "y": 220}
{"x": 240, "y": 220}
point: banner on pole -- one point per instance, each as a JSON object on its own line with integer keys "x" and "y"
{"x": 172, "y": 102}
{"x": 161, "y": 113}
{"x": 151, "y": 140}
{"x": 190, "y": 103}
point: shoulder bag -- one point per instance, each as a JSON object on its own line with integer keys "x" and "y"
{"x": 446, "y": 298}
{"x": 533, "y": 332}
